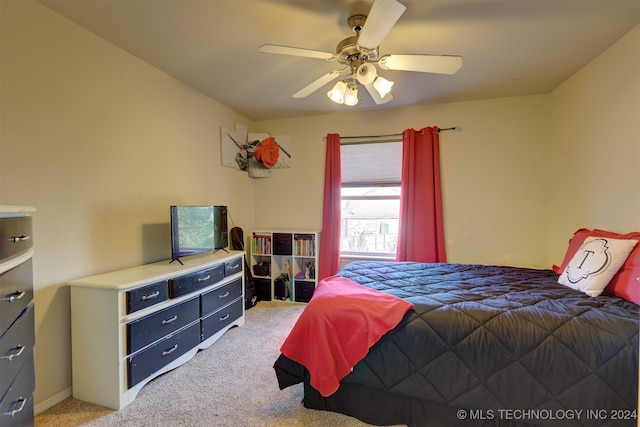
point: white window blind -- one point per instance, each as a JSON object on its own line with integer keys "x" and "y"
{"x": 371, "y": 163}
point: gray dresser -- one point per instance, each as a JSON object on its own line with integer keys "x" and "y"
{"x": 17, "y": 337}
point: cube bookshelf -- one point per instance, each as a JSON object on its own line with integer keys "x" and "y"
{"x": 293, "y": 254}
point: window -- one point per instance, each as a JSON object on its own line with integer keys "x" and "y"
{"x": 371, "y": 173}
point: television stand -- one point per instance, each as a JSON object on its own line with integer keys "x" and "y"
{"x": 202, "y": 299}
{"x": 176, "y": 259}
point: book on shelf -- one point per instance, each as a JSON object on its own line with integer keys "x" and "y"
{"x": 304, "y": 245}
{"x": 261, "y": 244}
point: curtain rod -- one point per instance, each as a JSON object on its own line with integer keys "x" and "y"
{"x": 393, "y": 135}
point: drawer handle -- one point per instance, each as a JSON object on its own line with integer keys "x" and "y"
{"x": 171, "y": 350}
{"x": 167, "y": 321}
{"x": 21, "y": 238}
{"x": 15, "y": 353}
{"x": 16, "y": 295}
{"x": 150, "y": 296}
{"x": 21, "y": 402}
{"x": 205, "y": 278}
{"x": 225, "y": 317}
{"x": 226, "y": 294}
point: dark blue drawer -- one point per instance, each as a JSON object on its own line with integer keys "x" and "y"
{"x": 143, "y": 364}
{"x": 194, "y": 282}
{"x": 146, "y": 296}
{"x": 215, "y": 321}
{"x": 151, "y": 328}
{"x": 219, "y": 297}
{"x": 232, "y": 267}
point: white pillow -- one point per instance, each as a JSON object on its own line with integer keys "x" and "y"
{"x": 595, "y": 263}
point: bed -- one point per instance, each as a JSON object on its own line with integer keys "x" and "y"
{"x": 480, "y": 345}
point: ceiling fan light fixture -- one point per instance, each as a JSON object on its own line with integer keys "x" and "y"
{"x": 360, "y": 58}
{"x": 382, "y": 86}
{"x": 337, "y": 94}
{"x": 351, "y": 95}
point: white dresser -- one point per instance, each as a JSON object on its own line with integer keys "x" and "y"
{"x": 129, "y": 326}
{"x": 17, "y": 336}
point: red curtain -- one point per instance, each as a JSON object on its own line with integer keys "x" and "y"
{"x": 329, "y": 256}
{"x": 421, "y": 230}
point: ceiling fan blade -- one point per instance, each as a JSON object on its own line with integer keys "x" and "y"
{"x": 382, "y": 16}
{"x": 376, "y": 96}
{"x": 441, "y": 64}
{"x": 295, "y": 51}
{"x": 313, "y": 86}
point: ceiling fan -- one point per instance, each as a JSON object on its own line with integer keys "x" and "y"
{"x": 359, "y": 55}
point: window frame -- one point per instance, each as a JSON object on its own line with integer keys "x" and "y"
{"x": 369, "y": 184}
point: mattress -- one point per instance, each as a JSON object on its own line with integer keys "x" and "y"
{"x": 488, "y": 345}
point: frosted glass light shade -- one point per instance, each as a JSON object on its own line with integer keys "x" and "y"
{"x": 382, "y": 86}
{"x": 366, "y": 73}
{"x": 337, "y": 93}
{"x": 351, "y": 95}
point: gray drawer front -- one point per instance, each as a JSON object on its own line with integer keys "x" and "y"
{"x": 221, "y": 318}
{"x": 16, "y": 407}
{"x": 146, "y": 296}
{"x": 232, "y": 267}
{"x": 15, "y": 236}
{"x": 194, "y": 282}
{"x": 16, "y": 292}
{"x": 151, "y": 328}
{"x": 154, "y": 358}
{"x": 16, "y": 347}
{"x": 219, "y": 297}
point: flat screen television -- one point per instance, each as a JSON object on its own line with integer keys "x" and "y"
{"x": 197, "y": 229}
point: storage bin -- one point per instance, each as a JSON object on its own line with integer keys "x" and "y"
{"x": 262, "y": 269}
{"x": 263, "y": 289}
{"x": 304, "y": 290}
{"x": 282, "y": 244}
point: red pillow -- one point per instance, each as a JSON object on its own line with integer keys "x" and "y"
{"x": 626, "y": 282}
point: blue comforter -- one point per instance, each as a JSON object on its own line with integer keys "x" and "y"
{"x": 490, "y": 345}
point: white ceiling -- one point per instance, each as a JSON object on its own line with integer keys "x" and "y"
{"x": 509, "y": 47}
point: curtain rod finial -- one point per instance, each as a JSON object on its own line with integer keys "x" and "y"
{"x": 456, "y": 128}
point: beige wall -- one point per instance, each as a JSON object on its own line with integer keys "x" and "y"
{"x": 101, "y": 144}
{"x": 492, "y": 173}
{"x": 594, "y": 155}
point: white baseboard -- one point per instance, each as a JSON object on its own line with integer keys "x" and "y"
{"x": 55, "y": 399}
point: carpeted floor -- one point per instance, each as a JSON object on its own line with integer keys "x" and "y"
{"x": 232, "y": 383}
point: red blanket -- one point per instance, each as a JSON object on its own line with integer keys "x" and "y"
{"x": 337, "y": 328}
